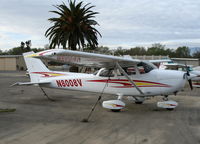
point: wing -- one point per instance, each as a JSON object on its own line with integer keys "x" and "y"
{"x": 160, "y": 60}
{"x": 84, "y": 58}
{"x": 28, "y": 83}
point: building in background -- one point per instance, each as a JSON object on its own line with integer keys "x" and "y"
{"x": 12, "y": 63}
{"x": 187, "y": 61}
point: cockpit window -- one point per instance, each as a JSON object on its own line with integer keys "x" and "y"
{"x": 142, "y": 68}
{"x": 95, "y": 72}
{"x": 145, "y": 67}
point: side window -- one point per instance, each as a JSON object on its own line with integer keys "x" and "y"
{"x": 141, "y": 69}
{"x": 107, "y": 73}
{"x": 130, "y": 70}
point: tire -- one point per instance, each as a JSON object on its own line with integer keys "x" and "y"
{"x": 115, "y": 110}
{"x": 139, "y": 102}
{"x": 170, "y": 109}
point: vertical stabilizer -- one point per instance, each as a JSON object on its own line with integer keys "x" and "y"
{"x": 34, "y": 66}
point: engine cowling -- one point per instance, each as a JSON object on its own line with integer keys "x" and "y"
{"x": 167, "y": 104}
{"x": 113, "y": 104}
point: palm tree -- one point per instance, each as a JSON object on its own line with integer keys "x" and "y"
{"x": 73, "y": 27}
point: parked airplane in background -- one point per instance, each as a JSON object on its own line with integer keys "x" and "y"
{"x": 182, "y": 67}
{"x": 196, "y": 80}
{"x": 117, "y": 75}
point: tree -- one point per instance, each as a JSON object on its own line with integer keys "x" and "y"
{"x": 103, "y": 50}
{"x": 28, "y": 46}
{"x": 196, "y": 54}
{"x": 170, "y": 52}
{"x": 182, "y": 52}
{"x": 119, "y": 51}
{"x": 16, "y": 51}
{"x": 156, "y": 49}
{"x": 136, "y": 51}
{"x": 73, "y": 27}
{"x": 19, "y": 51}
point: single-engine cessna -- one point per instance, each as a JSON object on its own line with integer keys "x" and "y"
{"x": 117, "y": 75}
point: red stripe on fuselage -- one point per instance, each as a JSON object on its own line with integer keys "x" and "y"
{"x": 49, "y": 74}
{"x": 129, "y": 85}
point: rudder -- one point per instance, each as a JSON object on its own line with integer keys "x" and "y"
{"x": 34, "y": 66}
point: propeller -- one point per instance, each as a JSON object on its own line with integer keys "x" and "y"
{"x": 187, "y": 75}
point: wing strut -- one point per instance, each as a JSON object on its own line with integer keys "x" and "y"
{"x": 126, "y": 75}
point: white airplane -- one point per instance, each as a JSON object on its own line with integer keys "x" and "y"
{"x": 195, "y": 82}
{"x": 117, "y": 75}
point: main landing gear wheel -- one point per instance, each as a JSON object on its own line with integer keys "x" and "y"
{"x": 138, "y": 102}
{"x": 167, "y": 104}
{"x": 115, "y": 110}
{"x": 170, "y": 109}
{"x": 113, "y": 105}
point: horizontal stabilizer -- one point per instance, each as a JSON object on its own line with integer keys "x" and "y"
{"x": 28, "y": 83}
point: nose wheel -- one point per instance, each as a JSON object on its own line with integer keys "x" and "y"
{"x": 165, "y": 98}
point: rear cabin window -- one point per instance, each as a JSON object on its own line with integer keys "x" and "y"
{"x": 130, "y": 70}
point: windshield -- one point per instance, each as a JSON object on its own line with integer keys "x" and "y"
{"x": 145, "y": 67}
{"x": 95, "y": 72}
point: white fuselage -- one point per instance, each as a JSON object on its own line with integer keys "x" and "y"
{"x": 156, "y": 82}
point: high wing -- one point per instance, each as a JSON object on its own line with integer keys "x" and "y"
{"x": 85, "y": 58}
{"x": 160, "y": 60}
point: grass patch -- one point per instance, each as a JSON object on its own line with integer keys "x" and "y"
{"x": 7, "y": 110}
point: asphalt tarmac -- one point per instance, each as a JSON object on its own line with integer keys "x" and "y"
{"x": 40, "y": 121}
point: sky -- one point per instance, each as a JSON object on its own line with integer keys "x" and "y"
{"x": 126, "y": 23}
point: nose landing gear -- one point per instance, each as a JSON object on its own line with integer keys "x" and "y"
{"x": 165, "y": 98}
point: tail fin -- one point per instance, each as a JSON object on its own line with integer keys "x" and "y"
{"x": 34, "y": 66}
